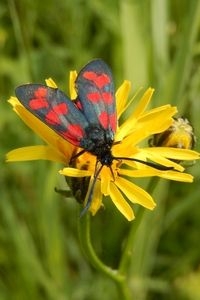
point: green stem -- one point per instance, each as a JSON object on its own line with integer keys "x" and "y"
{"x": 124, "y": 290}
{"x": 115, "y": 275}
{"x": 85, "y": 239}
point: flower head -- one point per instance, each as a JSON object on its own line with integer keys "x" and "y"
{"x": 179, "y": 135}
{"x": 115, "y": 180}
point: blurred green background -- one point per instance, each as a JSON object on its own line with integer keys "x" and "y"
{"x": 150, "y": 42}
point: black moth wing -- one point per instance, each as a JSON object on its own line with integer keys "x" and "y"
{"x": 95, "y": 90}
{"x": 55, "y": 109}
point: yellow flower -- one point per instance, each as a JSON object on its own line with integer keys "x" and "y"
{"x": 112, "y": 181}
{"x": 179, "y": 135}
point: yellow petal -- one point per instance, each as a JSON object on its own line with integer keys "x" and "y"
{"x": 97, "y": 198}
{"x": 34, "y": 153}
{"x": 173, "y": 153}
{"x": 125, "y": 129}
{"x": 122, "y": 96}
{"x": 158, "y": 119}
{"x": 75, "y": 172}
{"x": 121, "y": 203}
{"x": 51, "y": 83}
{"x": 13, "y": 101}
{"x": 143, "y": 103}
{"x": 155, "y": 158}
{"x": 105, "y": 181}
{"x": 177, "y": 176}
{"x": 139, "y": 173}
{"x": 149, "y": 124}
{"x": 72, "y": 90}
{"x": 171, "y": 175}
{"x": 134, "y": 193}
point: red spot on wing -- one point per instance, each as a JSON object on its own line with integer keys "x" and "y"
{"x": 52, "y": 117}
{"x": 99, "y": 80}
{"x": 113, "y": 121}
{"x": 39, "y": 99}
{"x": 94, "y": 97}
{"x": 40, "y": 92}
{"x": 61, "y": 108}
{"x": 74, "y": 133}
{"x": 76, "y": 130}
{"x": 103, "y": 119}
{"x": 108, "y": 120}
{"x": 107, "y": 97}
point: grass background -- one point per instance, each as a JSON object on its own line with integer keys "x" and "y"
{"x": 152, "y": 43}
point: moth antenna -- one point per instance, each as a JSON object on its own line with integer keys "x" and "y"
{"x": 77, "y": 155}
{"x": 112, "y": 173}
{"x": 89, "y": 198}
{"x": 147, "y": 163}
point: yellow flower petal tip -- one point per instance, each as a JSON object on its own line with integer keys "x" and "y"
{"x": 13, "y": 101}
{"x": 51, "y": 83}
{"x": 72, "y": 79}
